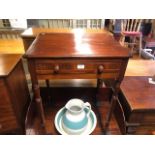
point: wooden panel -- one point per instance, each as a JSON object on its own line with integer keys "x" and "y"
{"x": 78, "y": 76}
{"x": 27, "y": 42}
{"x": 8, "y": 62}
{"x": 75, "y": 45}
{"x": 140, "y": 68}
{"x": 14, "y": 95}
{"x": 11, "y": 46}
{"x": 143, "y": 117}
{"x": 19, "y": 93}
{"x": 7, "y": 117}
{"x": 139, "y": 93}
{"x": 30, "y": 34}
{"x": 137, "y": 100}
{"x": 76, "y": 66}
{"x": 33, "y": 32}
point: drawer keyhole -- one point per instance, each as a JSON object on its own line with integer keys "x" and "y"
{"x": 100, "y": 69}
{"x": 56, "y": 69}
{"x": 80, "y": 66}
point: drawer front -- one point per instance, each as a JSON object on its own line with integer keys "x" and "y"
{"x": 76, "y": 67}
{"x": 7, "y": 117}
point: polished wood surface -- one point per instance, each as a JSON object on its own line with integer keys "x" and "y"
{"x": 139, "y": 93}
{"x": 137, "y": 101}
{"x": 140, "y": 68}
{"x": 14, "y": 96}
{"x": 11, "y": 46}
{"x": 63, "y": 45}
{"x": 33, "y": 32}
{"x": 8, "y": 62}
{"x": 135, "y": 109}
{"x": 30, "y": 34}
{"x": 70, "y": 56}
{"x": 7, "y": 117}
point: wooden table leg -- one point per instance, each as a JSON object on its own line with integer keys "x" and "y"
{"x": 48, "y": 91}
{"x": 38, "y": 101}
{"x": 97, "y": 104}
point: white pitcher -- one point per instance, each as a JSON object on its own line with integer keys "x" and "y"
{"x": 76, "y": 117}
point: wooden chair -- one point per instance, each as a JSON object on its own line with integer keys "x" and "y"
{"x": 130, "y": 28}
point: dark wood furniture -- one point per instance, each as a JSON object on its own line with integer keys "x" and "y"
{"x": 14, "y": 94}
{"x": 30, "y": 34}
{"x": 136, "y": 105}
{"x": 76, "y": 56}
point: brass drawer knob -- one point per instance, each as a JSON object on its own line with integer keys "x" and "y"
{"x": 100, "y": 69}
{"x": 56, "y": 69}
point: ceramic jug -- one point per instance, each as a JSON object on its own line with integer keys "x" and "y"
{"x": 76, "y": 117}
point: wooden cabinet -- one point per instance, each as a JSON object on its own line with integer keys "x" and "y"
{"x": 137, "y": 104}
{"x": 14, "y": 94}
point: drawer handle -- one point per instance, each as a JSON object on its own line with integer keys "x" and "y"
{"x": 56, "y": 69}
{"x": 100, "y": 69}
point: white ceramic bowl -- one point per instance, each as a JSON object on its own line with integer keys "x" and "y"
{"x": 92, "y": 121}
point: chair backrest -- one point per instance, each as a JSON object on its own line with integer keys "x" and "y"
{"x": 131, "y": 25}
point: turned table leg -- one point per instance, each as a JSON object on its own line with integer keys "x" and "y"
{"x": 39, "y": 104}
{"x": 48, "y": 91}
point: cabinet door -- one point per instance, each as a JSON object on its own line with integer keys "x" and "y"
{"x": 7, "y": 117}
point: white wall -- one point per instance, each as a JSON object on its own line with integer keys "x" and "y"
{"x": 18, "y": 23}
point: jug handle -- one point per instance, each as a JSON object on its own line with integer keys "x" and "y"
{"x": 87, "y": 105}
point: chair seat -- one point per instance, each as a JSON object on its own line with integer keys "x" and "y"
{"x": 133, "y": 33}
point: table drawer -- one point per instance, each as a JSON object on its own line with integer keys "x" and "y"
{"x": 73, "y": 67}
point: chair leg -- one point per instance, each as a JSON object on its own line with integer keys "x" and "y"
{"x": 140, "y": 45}
{"x": 122, "y": 39}
{"x": 133, "y": 40}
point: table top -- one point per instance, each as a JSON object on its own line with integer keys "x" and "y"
{"x": 33, "y": 32}
{"x": 140, "y": 68}
{"x": 139, "y": 92}
{"x": 76, "y": 45}
{"x": 8, "y": 62}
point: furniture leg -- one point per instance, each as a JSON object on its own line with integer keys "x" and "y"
{"x": 140, "y": 45}
{"x": 113, "y": 103}
{"x": 48, "y": 91}
{"x": 38, "y": 101}
{"x": 112, "y": 106}
{"x": 99, "y": 85}
{"x": 96, "y": 104}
